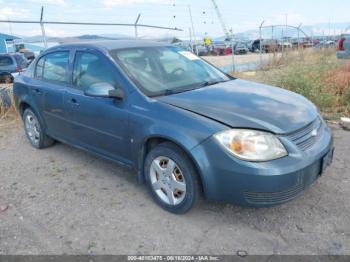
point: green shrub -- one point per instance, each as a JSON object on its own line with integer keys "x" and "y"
{"x": 316, "y": 74}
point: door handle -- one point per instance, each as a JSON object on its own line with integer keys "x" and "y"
{"x": 74, "y": 102}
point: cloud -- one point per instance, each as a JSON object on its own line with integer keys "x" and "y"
{"x": 11, "y": 13}
{"x": 50, "y": 2}
{"x": 110, "y": 3}
{"x": 292, "y": 18}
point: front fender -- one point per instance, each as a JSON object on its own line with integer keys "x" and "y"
{"x": 162, "y": 121}
{"x": 185, "y": 142}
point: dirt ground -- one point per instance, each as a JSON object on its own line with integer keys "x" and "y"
{"x": 62, "y": 200}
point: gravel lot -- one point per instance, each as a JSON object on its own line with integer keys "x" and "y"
{"x": 250, "y": 58}
{"x": 62, "y": 200}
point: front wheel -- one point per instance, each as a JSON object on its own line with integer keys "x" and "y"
{"x": 171, "y": 178}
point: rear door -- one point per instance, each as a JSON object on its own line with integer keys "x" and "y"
{"x": 47, "y": 89}
{"x": 98, "y": 124}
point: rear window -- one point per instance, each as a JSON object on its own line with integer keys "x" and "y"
{"x": 5, "y": 61}
{"x": 53, "y": 67}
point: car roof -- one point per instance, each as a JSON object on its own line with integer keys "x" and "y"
{"x": 108, "y": 45}
{"x": 9, "y": 54}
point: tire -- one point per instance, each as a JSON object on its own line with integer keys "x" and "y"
{"x": 184, "y": 185}
{"x": 8, "y": 79}
{"x": 34, "y": 130}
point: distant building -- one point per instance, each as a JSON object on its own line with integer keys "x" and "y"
{"x": 10, "y": 43}
{"x": 7, "y": 43}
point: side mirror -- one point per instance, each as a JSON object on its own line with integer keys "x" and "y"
{"x": 104, "y": 89}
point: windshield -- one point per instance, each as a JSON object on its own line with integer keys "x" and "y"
{"x": 166, "y": 70}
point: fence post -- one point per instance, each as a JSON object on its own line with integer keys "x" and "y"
{"x": 43, "y": 27}
{"x": 260, "y": 42}
{"x": 195, "y": 49}
{"x": 299, "y": 41}
{"x": 232, "y": 51}
{"x": 135, "y": 25}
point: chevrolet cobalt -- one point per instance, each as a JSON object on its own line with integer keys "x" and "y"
{"x": 186, "y": 128}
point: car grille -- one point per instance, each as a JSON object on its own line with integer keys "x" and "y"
{"x": 303, "y": 181}
{"x": 270, "y": 198}
{"x": 304, "y": 137}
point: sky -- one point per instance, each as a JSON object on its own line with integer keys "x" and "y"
{"x": 238, "y": 15}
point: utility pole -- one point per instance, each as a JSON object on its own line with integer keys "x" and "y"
{"x": 232, "y": 51}
{"x": 135, "y": 25}
{"x": 260, "y": 41}
{"x": 282, "y": 36}
{"x": 191, "y": 43}
{"x": 193, "y": 32}
{"x": 43, "y": 27}
{"x": 299, "y": 39}
{"x": 287, "y": 40}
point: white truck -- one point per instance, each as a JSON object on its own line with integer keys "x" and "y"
{"x": 344, "y": 47}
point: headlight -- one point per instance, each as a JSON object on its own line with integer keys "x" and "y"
{"x": 251, "y": 145}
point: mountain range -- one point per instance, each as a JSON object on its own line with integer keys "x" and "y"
{"x": 317, "y": 30}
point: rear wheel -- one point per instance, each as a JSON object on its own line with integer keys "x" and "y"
{"x": 171, "y": 178}
{"x": 8, "y": 79}
{"x": 34, "y": 130}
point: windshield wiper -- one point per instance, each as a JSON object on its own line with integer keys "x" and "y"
{"x": 168, "y": 92}
{"x": 210, "y": 83}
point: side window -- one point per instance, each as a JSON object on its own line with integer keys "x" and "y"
{"x": 56, "y": 66}
{"x": 53, "y": 67}
{"x": 90, "y": 69}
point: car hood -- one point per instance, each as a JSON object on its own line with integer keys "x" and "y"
{"x": 244, "y": 104}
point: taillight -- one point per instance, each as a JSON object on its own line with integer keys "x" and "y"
{"x": 19, "y": 69}
{"x": 341, "y": 44}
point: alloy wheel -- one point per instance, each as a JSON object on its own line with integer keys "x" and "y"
{"x": 32, "y": 128}
{"x": 167, "y": 180}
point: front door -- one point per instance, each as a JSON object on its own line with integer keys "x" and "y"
{"x": 98, "y": 124}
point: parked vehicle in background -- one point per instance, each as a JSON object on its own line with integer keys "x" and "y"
{"x": 343, "y": 51}
{"x": 10, "y": 65}
{"x": 241, "y": 49}
{"x": 185, "y": 127}
{"x": 307, "y": 43}
{"x": 201, "y": 50}
{"x": 254, "y": 46}
{"x": 219, "y": 47}
{"x": 267, "y": 46}
{"x": 283, "y": 45}
{"x": 326, "y": 44}
{"x": 30, "y": 56}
